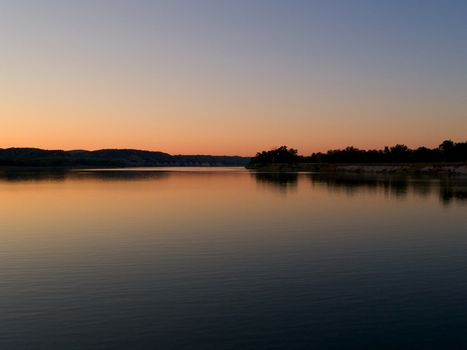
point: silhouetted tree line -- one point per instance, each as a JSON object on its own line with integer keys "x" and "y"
{"x": 448, "y": 151}
{"x": 282, "y": 154}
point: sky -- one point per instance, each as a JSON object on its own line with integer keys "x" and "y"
{"x": 232, "y": 77}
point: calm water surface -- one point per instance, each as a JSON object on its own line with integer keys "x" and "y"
{"x": 226, "y": 259}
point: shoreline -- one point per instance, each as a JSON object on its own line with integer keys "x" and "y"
{"x": 377, "y": 168}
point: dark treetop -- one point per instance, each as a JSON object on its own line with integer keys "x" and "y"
{"x": 448, "y": 151}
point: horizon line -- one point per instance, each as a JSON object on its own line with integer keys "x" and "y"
{"x": 208, "y": 154}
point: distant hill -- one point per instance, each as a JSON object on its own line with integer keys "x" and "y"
{"x": 34, "y": 157}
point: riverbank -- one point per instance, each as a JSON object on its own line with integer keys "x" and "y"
{"x": 386, "y": 168}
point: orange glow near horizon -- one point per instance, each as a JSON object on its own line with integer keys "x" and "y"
{"x": 81, "y": 129}
{"x": 187, "y": 122}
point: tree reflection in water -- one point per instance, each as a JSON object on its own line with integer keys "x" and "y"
{"x": 449, "y": 188}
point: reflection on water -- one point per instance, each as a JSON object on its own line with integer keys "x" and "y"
{"x": 449, "y": 188}
{"x": 228, "y": 259}
{"x": 34, "y": 174}
{"x": 281, "y": 181}
{"x": 41, "y": 174}
{"x": 453, "y": 190}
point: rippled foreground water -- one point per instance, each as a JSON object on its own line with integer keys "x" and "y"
{"x": 226, "y": 259}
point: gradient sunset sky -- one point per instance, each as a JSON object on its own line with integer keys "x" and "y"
{"x": 232, "y": 77}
